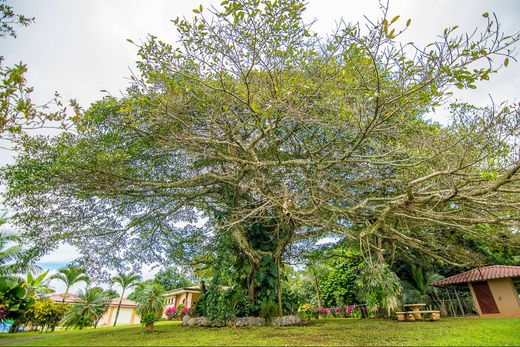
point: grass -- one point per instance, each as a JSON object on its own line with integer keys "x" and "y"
{"x": 448, "y": 331}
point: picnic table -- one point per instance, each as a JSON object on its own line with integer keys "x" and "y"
{"x": 414, "y": 313}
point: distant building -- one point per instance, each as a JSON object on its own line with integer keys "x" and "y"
{"x": 492, "y": 289}
{"x": 127, "y": 314}
{"x": 186, "y": 296}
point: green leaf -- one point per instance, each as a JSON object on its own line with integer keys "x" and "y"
{"x": 394, "y": 19}
{"x": 506, "y": 61}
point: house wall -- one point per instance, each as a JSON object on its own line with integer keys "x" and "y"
{"x": 185, "y": 298}
{"x": 127, "y": 315}
{"x": 506, "y": 298}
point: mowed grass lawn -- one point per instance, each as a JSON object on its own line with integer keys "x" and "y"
{"x": 448, "y": 331}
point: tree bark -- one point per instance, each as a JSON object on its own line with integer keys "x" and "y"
{"x": 119, "y": 306}
{"x": 317, "y": 284}
{"x": 279, "y": 286}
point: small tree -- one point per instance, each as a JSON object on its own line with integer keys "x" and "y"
{"x": 70, "y": 275}
{"x": 150, "y": 304}
{"x": 92, "y": 304}
{"x": 125, "y": 281}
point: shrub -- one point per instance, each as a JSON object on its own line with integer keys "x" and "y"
{"x": 378, "y": 287}
{"x": 269, "y": 310}
{"x": 46, "y": 314}
{"x": 171, "y": 312}
{"x": 321, "y": 311}
{"x": 223, "y": 305}
{"x": 150, "y": 304}
{"x": 306, "y": 312}
{"x": 14, "y": 302}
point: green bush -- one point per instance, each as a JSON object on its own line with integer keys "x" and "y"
{"x": 269, "y": 310}
{"x": 222, "y": 305}
{"x": 14, "y": 303}
{"x": 46, "y": 314}
{"x": 150, "y": 304}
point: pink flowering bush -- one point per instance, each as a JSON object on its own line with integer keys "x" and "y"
{"x": 322, "y": 311}
{"x": 184, "y": 311}
{"x": 171, "y": 312}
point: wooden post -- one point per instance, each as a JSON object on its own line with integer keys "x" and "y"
{"x": 460, "y": 303}
{"x": 453, "y": 311}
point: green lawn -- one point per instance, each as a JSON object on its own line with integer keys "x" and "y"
{"x": 453, "y": 331}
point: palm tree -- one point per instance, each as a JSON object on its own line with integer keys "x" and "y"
{"x": 125, "y": 281}
{"x": 420, "y": 289}
{"x": 36, "y": 285}
{"x": 70, "y": 275}
{"x": 92, "y": 304}
{"x": 8, "y": 255}
{"x": 150, "y": 304}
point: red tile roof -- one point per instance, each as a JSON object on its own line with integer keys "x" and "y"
{"x": 125, "y": 302}
{"x": 59, "y": 297}
{"x": 480, "y": 274}
{"x": 74, "y": 298}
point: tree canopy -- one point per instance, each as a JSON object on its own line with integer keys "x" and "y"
{"x": 274, "y": 135}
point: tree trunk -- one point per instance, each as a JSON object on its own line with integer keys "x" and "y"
{"x": 149, "y": 327}
{"x": 317, "y": 284}
{"x": 279, "y": 286}
{"x": 379, "y": 251}
{"x": 119, "y": 306}
{"x": 251, "y": 283}
{"x": 65, "y": 295}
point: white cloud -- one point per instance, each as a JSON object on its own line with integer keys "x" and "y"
{"x": 64, "y": 254}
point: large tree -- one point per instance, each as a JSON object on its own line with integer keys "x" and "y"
{"x": 273, "y": 135}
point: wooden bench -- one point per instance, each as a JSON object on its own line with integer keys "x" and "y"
{"x": 417, "y": 315}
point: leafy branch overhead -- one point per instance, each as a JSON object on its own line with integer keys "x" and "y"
{"x": 18, "y": 114}
{"x": 267, "y": 131}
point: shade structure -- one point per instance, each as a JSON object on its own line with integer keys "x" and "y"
{"x": 480, "y": 274}
{"x": 492, "y": 289}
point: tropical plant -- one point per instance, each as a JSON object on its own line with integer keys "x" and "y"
{"x": 224, "y": 304}
{"x": 126, "y": 282}
{"x": 9, "y": 255}
{"x": 378, "y": 287}
{"x": 36, "y": 285}
{"x": 86, "y": 312}
{"x": 70, "y": 275}
{"x": 269, "y": 310}
{"x": 150, "y": 304}
{"x": 419, "y": 289}
{"x": 14, "y": 259}
{"x": 46, "y": 314}
{"x": 306, "y": 312}
{"x": 14, "y": 302}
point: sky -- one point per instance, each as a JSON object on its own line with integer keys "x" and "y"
{"x": 80, "y": 47}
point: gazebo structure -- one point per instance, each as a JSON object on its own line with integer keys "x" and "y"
{"x": 492, "y": 289}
